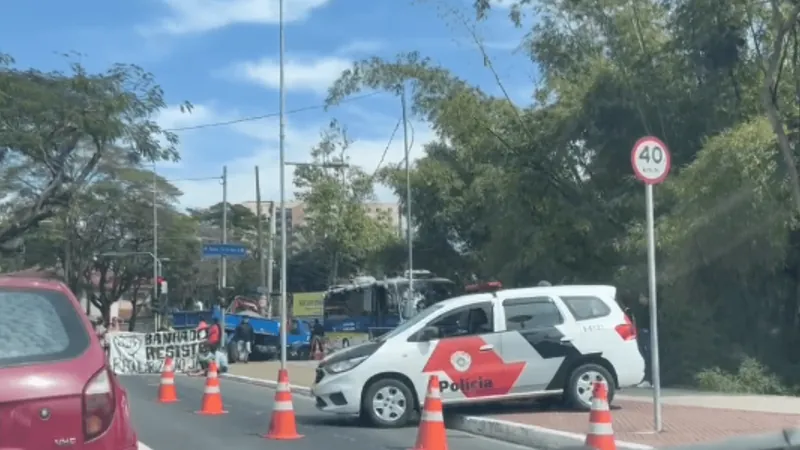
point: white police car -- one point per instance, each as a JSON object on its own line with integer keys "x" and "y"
{"x": 507, "y": 344}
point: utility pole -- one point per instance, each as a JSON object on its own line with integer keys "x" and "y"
{"x": 271, "y": 258}
{"x": 282, "y": 146}
{"x": 156, "y": 318}
{"x": 261, "y": 262}
{"x": 409, "y": 232}
{"x": 224, "y": 262}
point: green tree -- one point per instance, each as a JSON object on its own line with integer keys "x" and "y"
{"x": 56, "y": 128}
{"x": 101, "y": 242}
{"x": 547, "y": 191}
{"x": 335, "y": 217}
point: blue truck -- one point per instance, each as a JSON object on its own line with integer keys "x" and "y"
{"x": 267, "y": 331}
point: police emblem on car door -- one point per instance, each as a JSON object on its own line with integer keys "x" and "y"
{"x": 466, "y": 357}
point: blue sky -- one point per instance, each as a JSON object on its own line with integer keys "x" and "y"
{"x": 222, "y": 56}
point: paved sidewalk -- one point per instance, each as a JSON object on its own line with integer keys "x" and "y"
{"x": 688, "y": 417}
{"x": 301, "y": 373}
{"x": 633, "y": 421}
{"x": 742, "y": 402}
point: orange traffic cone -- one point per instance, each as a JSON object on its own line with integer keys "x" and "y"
{"x": 432, "y": 434}
{"x": 283, "y": 426}
{"x": 212, "y": 398}
{"x": 166, "y": 390}
{"x": 601, "y": 433}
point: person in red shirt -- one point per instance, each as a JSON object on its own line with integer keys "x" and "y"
{"x": 214, "y": 336}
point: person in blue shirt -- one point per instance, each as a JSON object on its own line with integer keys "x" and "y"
{"x": 245, "y": 337}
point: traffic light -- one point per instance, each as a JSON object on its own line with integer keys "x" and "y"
{"x": 162, "y": 285}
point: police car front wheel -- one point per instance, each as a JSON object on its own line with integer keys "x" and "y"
{"x": 387, "y": 403}
{"x": 578, "y": 392}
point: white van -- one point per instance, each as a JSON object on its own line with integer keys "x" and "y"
{"x": 508, "y": 344}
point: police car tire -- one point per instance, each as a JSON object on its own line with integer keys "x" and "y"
{"x": 367, "y": 412}
{"x": 570, "y": 391}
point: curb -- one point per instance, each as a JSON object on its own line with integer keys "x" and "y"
{"x": 516, "y": 433}
{"x": 521, "y": 434}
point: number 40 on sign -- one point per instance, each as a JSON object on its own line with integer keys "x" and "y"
{"x": 651, "y": 160}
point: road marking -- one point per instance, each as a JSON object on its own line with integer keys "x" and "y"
{"x": 143, "y": 447}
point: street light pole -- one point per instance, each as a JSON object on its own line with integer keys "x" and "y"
{"x": 224, "y": 281}
{"x": 271, "y": 258}
{"x": 156, "y": 318}
{"x": 409, "y": 232}
{"x": 224, "y": 276}
{"x": 282, "y": 145}
{"x": 263, "y": 299}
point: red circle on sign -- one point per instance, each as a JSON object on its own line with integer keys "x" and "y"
{"x": 667, "y": 160}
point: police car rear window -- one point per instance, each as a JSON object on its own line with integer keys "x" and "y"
{"x": 586, "y": 307}
{"x": 39, "y": 326}
{"x": 525, "y": 313}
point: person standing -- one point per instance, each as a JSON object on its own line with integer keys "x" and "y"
{"x": 317, "y": 338}
{"x": 245, "y": 338}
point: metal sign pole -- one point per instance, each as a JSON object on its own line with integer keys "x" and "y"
{"x": 651, "y": 161}
{"x": 651, "y": 282}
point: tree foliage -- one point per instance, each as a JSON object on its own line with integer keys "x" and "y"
{"x": 516, "y": 193}
{"x": 57, "y": 128}
{"x": 336, "y": 221}
{"x": 546, "y": 191}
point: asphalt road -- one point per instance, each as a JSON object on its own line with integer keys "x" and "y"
{"x": 177, "y": 427}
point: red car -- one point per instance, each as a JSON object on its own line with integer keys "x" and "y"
{"x": 56, "y": 390}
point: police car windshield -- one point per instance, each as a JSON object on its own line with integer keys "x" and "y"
{"x": 422, "y": 315}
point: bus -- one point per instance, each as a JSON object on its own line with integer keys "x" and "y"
{"x": 366, "y": 308}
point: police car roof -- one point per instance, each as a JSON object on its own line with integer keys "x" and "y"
{"x": 570, "y": 289}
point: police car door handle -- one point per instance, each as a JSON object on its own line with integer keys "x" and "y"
{"x": 566, "y": 339}
{"x": 486, "y": 348}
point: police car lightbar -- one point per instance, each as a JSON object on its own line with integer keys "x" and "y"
{"x": 484, "y": 287}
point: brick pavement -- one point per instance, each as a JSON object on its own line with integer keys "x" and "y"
{"x": 633, "y": 422}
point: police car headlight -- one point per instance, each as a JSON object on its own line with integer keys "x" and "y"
{"x": 344, "y": 366}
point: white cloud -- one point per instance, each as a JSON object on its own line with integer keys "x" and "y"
{"x": 197, "y": 16}
{"x": 173, "y": 117}
{"x": 365, "y": 152}
{"x": 315, "y": 75}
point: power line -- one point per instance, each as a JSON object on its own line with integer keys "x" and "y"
{"x": 265, "y": 116}
{"x": 410, "y": 145}
{"x": 386, "y": 150}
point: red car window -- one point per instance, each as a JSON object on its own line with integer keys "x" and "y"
{"x": 39, "y": 326}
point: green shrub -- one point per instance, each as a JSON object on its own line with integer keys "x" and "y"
{"x": 751, "y": 378}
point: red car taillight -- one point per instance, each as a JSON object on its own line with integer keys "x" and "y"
{"x": 98, "y": 405}
{"x": 626, "y": 330}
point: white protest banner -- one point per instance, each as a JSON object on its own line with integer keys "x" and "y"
{"x": 137, "y": 353}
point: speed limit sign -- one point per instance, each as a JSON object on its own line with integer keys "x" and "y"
{"x": 650, "y": 159}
